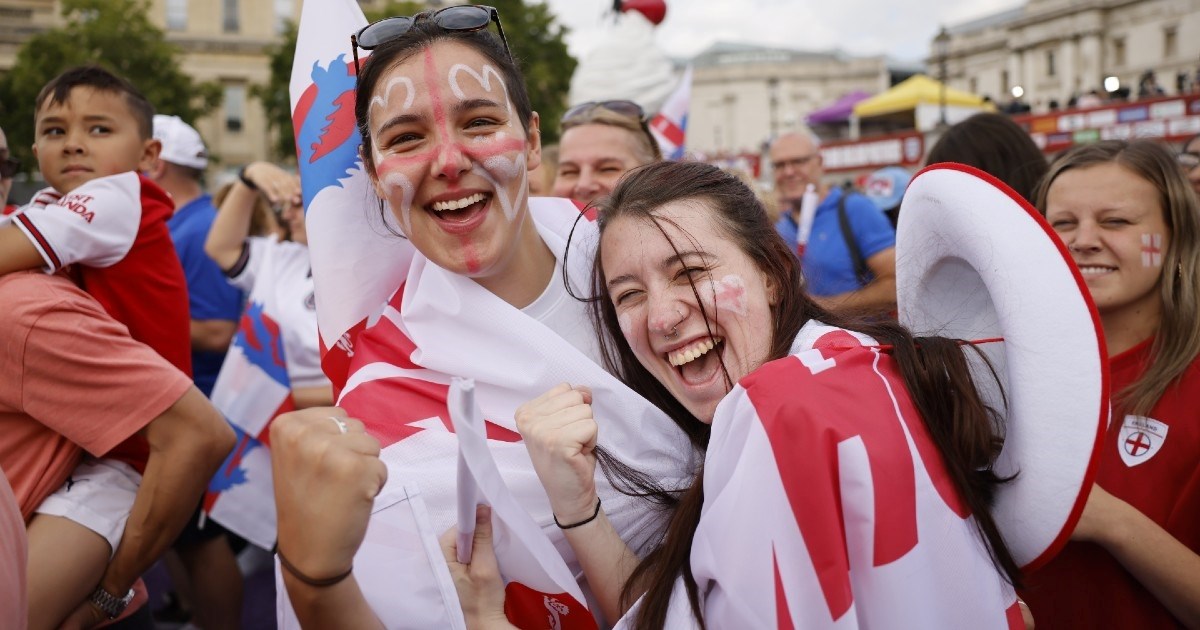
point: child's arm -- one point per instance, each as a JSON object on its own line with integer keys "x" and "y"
{"x": 17, "y": 252}
{"x": 94, "y": 225}
{"x": 232, "y": 225}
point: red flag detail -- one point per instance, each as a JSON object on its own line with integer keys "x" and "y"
{"x": 534, "y": 610}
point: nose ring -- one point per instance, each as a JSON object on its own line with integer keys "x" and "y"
{"x": 674, "y": 333}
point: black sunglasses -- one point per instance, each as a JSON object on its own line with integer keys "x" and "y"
{"x": 9, "y": 167}
{"x": 465, "y": 18}
{"x": 628, "y": 109}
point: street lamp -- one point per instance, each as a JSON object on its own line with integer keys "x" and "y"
{"x": 941, "y": 45}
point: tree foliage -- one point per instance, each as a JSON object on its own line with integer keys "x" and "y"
{"x": 116, "y": 34}
{"x": 535, "y": 38}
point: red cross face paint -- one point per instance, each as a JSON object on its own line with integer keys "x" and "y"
{"x": 650, "y": 281}
{"x": 1111, "y": 220}
{"x": 452, "y": 158}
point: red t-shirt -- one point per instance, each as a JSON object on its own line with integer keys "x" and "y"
{"x": 112, "y": 233}
{"x": 1152, "y": 463}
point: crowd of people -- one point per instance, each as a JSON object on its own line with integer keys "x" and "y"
{"x": 674, "y": 376}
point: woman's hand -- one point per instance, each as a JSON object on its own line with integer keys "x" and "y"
{"x": 277, "y": 185}
{"x": 560, "y": 434}
{"x": 325, "y": 483}
{"x": 479, "y": 585}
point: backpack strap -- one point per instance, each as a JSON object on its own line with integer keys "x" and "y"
{"x": 861, "y": 271}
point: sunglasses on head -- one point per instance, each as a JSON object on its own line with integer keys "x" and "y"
{"x": 9, "y": 167}
{"x": 463, "y": 18}
{"x": 628, "y": 109}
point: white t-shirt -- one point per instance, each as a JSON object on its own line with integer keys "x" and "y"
{"x": 95, "y": 224}
{"x": 565, "y": 315}
{"x": 277, "y": 275}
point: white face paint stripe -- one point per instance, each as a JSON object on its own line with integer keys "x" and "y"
{"x": 484, "y": 80}
{"x": 728, "y": 294}
{"x": 382, "y": 100}
{"x": 394, "y": 180}
{"x": 626, "y": 322}
{"x": 500, "y": 166}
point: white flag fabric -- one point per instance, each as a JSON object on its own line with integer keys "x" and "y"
{"x": 539, "y": 588}
{"x": 252, "y": 388}
{"x": 827, "y": 505}
{"x": 669, "y": 126}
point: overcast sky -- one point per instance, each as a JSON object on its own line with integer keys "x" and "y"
{"x": 900, "y": 28}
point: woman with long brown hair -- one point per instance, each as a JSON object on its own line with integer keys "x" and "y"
{"x": 848, "y": 469}
{"x": 1127, "y": 214}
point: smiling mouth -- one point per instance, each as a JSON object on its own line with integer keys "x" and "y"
{"x": 696, "y": 363}
{"x": 459, "y": 210}
{"x": 1091, "y": 271}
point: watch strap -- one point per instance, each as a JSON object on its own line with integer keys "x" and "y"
{"x": 110, "y": 604}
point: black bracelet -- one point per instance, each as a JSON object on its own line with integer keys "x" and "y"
{"x": 242, "y": 176}
{"x": 573, "y": 525}
{"x": 319, "y": 583}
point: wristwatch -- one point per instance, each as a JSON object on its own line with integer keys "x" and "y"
{"x": 110, "y": 604}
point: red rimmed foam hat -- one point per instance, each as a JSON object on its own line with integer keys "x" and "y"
{"x": 975, "y": 261}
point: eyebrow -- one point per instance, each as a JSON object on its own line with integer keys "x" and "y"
{"x": 474, "y": 103}
{"x": 402, "y": 119}
{"x": 666, "y": 263}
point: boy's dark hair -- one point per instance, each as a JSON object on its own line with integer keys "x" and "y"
{"x": 97, "y": 78}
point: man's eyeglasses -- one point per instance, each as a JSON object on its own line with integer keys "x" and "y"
{"x": 9, "y": 167}
{"x": 797, "y": 162}
{"x": 1188, "y": 160}
{"x": 580, "y": 114}
{"x": 465, "y": 18}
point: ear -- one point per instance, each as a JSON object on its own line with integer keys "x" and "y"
{"x": 533, "y": 154}
{"x": 772, "y": 288}
{"x": 369, "y": 167}
{"x": 149, "y": 158}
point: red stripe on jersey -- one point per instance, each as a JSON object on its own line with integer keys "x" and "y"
{"x": 55, "y": 261}
{"x": 853, "y": 402}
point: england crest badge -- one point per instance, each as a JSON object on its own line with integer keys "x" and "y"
{"x": 1140, "y": 439}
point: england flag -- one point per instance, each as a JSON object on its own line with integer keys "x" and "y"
{"x": 669, "y": 126}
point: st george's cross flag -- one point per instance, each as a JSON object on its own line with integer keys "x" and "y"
{"x": 669, "y": 125}
{"x": 395, "y": 328}
{"x": 833, "y": 508}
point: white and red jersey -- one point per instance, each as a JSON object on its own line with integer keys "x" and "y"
{"x": 827, "y": 505}
{"x": 111, "y": 234}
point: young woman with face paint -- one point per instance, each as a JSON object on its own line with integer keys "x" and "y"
{"x": 448, "y": 139}
{"x": 1125, "y": 212}
{"x": 702, "y": 294}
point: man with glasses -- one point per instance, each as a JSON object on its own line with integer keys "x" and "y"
{"x": 849, "y": 260}
{"x": 8, "y": 168}
{"x": 601, "y": 140}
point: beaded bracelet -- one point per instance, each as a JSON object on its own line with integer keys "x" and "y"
{"x": 319, "y": 583}
{"x": 584, "y": 521}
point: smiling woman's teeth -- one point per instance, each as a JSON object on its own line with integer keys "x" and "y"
{"x": 691, "y": 353}
{"x": 457, "y": 204}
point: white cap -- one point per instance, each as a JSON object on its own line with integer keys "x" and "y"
{"x": 181, "y": 143}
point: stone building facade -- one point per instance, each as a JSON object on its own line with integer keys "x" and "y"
{"x": 221, "y": 40}
{"x": 1056, "y": 49}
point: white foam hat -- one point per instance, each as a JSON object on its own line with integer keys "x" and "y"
{"x": 975, "y": 261}
{"x": 181, "y": 143}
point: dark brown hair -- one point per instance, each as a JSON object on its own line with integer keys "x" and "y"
{"x": 1177, "y": 337}
{"x": 934, "y": 369}
{"x": 58, "y": 90}
{"x": 996, "y": 145}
